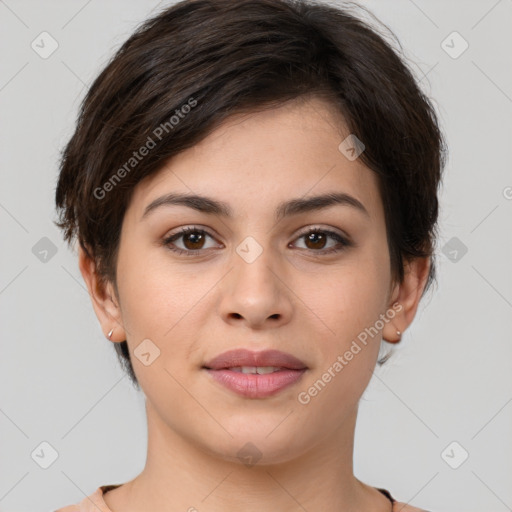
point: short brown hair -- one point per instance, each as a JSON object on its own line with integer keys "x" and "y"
{"x": 220, "y": 57}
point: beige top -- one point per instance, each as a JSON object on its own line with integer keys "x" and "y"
{"x": 96, "y": 503}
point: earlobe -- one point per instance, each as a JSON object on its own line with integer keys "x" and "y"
{"x": 406, "y": 297}
{"x": 103, "y": 300}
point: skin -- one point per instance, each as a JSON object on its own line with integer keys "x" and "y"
{"x": 292, "y": 298}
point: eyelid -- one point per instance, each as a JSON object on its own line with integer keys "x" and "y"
{"x": 303, "y": 231}
{"x": 327, "y": 229}
{"x": 183, "y": 230}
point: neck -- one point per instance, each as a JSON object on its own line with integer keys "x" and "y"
{"x": 179, "y": 475}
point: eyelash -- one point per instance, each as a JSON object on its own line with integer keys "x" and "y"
{"x": 191, "y": 252}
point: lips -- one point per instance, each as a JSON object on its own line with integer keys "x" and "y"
{"x": 255, "y": 375}
{"x": 242, "y": 358}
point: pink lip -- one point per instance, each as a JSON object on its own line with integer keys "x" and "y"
{"x": 242, "y": 357}
{"x": 255, "y": 385}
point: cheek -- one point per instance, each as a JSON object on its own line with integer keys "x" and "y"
{"x": 152, "y": 295}
{"x": 351, "y": 306}
{"x": 160, "y": 302}
{"x": 356, "y": 295}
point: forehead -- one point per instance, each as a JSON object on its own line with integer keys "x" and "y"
{"x": 266, "y": 156}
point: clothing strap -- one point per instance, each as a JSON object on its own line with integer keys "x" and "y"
{"x": 387, "y": 494}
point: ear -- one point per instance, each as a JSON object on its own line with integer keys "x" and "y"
{"x": 103, "y": 298}
{"x": 405, "y": 298}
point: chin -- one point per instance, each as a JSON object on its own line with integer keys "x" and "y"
{"x": 261, "y": 444}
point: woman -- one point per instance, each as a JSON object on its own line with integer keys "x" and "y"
{"x": 253, "y": 186}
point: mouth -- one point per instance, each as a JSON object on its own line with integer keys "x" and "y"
{"x": 255, "y": 374}
{"x": 248, "y": 360}
{"x": 260, "y": 370}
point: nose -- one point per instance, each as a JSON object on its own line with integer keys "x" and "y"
{"x": 256, "y": 294}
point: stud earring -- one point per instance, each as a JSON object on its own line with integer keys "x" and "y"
{"x": 110, "y": 333}
{"x": 398, "y": 333}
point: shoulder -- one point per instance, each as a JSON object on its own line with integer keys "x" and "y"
{"x": 92, "y": 503}
{"x": 398, "y": 506}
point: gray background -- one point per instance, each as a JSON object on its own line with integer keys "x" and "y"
{"x": 449, "y": 381}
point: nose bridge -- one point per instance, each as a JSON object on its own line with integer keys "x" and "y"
{"x": 254, "y": 290}
{"x": 254, "y": 269}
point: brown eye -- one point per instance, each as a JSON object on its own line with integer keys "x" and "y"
{"x": 316, "y": 240}
{"x": 192, "y": 239}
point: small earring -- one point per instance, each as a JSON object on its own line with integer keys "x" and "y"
{"x": 398, "y": 333}
{"x": 110, "y": 333}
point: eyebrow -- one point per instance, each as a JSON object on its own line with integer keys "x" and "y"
{"x": 212, "y": 206}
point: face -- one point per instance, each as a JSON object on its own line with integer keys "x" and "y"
{"x": 307, "y": 282}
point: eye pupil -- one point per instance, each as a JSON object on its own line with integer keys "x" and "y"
{"x": 315, "y": 237}
{"x": 196, "y": 239}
